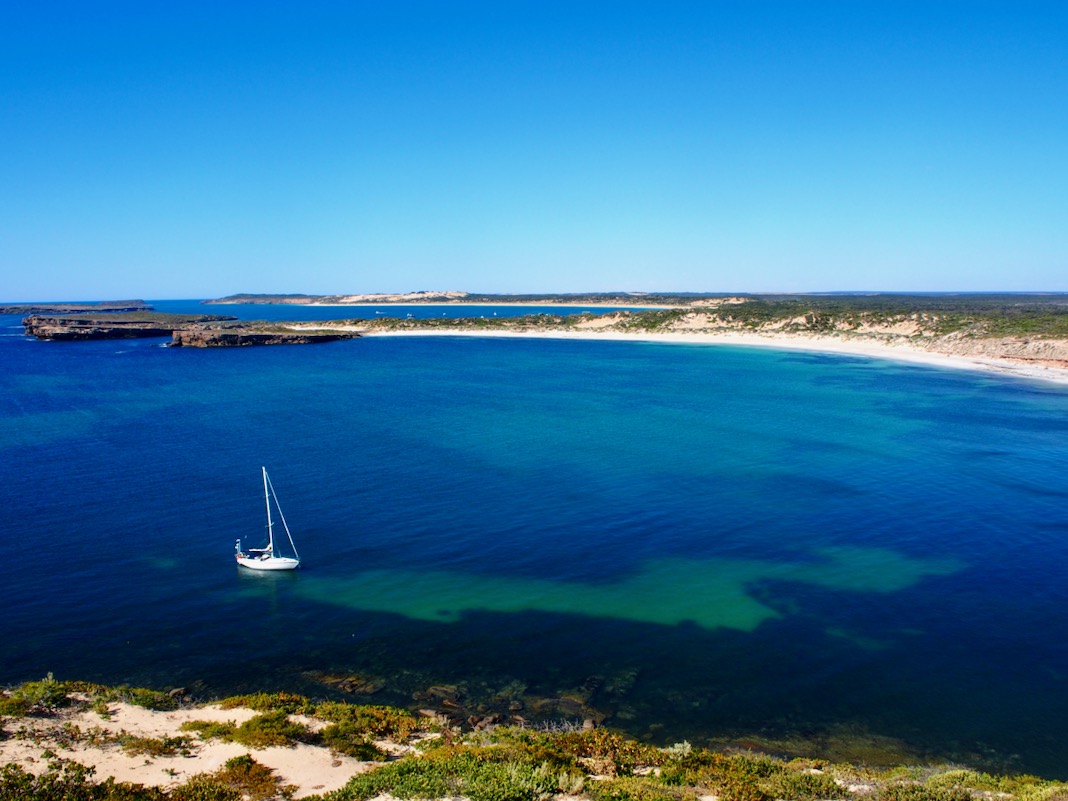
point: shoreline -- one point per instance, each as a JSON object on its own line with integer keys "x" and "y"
{"x": 815, "y": 344}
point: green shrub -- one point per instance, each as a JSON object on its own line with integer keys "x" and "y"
{"x": 917, "y": 792}
{"x": 479, "y": 774}
{"x": 45, "y": 695}
{"x": 254, "y": 781}
{"x": 345, "y": 738}
{"x": 609, "y": 752}
{"x": 802, "y": 786}
{"x": 638, "y": 788}
{"x": 210, "y": 729}
{"x": 384, "y": 722}
{"x": 271, "y": 728}
{"x": 750, "y": 777}
{"x": 69, "y": 781}
{"x": 1049, "y": 791}
{"x": 11, "y": 707}
{"x": 261, "y": 731}
{"x": 204, "y": 787}
{"x": 145, "y": 698}
{"x": 290, "y": 703}
{"x": 156, "y": 746}
{"x": 100, "y": 706}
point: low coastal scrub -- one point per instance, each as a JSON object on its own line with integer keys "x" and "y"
{"x": 511, "y": 764}
{"x": 249, "y": 778}
{"x": 156, "y": 746}
{"x": 290, "y": 703}
{"x": 262, "y": 731}
{"x": 38, "y": 697}
{"x": 49, "y": 695}
{"x": 481, "y": 774}
{"x": 351, "y": 730}
{"x": 521, "y": 765}
{"x": 422, "y": 760}
{"x": 384, "y": 722}
{"x": 240, "y": 779}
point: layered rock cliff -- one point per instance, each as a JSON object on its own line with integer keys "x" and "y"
{"x": 191, "y": 331}
{"x": 217, "y": 337}
{"x": 117, "y": 326}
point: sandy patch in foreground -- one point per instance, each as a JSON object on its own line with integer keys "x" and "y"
{"x": 311, "y": 768}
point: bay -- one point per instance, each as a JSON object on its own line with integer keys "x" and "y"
{"x": 694, "y": 541}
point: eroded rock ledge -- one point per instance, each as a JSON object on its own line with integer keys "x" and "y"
{"x": 190, "y": 331}
{"x": 218, "y": 337}
{"x": 117, "y": 326}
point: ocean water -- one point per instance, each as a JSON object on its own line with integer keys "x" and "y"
{"x": 694, "y": 542}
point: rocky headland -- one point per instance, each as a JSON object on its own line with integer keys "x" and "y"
{"x": 190, "y": 331}
{"x": 214, "y": 336}
{"x": 112, "y": 326}
{"x": 104, "y": 307}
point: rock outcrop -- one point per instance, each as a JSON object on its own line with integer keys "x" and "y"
{"x": 219, "y": 337}
{"x": 118, "y": 326}
{"x": 189, "y": 331}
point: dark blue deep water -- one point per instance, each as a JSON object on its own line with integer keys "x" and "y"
{"x": 692, "y": 541}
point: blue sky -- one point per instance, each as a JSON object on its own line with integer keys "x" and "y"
{"x": 184, "y": 149}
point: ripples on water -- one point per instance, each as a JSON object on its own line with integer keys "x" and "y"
{"x": 694, "y": 541}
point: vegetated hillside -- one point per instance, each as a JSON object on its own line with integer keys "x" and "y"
{"x": 832, "y": 316}
{"x": 978, "y": 315}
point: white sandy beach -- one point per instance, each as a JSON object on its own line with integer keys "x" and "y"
{"x": 822, "y": 344}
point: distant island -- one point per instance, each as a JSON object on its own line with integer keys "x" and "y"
{"x": 633, "y": 299}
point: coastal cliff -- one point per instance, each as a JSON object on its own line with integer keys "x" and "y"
{"x": 216, "y": 337}
{"x": 108, "y": 326}
{"x": 190, "y": 331}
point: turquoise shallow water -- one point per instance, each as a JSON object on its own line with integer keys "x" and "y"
{"x": 698, "y": 541}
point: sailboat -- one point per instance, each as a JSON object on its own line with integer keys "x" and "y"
{"x": 268, "y": 558}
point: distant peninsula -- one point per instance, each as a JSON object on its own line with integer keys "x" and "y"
{"x": 632, "y": 299}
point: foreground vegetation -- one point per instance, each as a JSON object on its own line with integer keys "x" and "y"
{"x": 431, "y": 758}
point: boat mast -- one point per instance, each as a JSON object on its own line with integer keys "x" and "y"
{"x": 270, "y": 523}
{"x": 285, "y": 525}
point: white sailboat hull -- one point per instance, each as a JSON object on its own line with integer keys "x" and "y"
{"x": 268, "y": 558}
{"x": 268, "y": 562}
